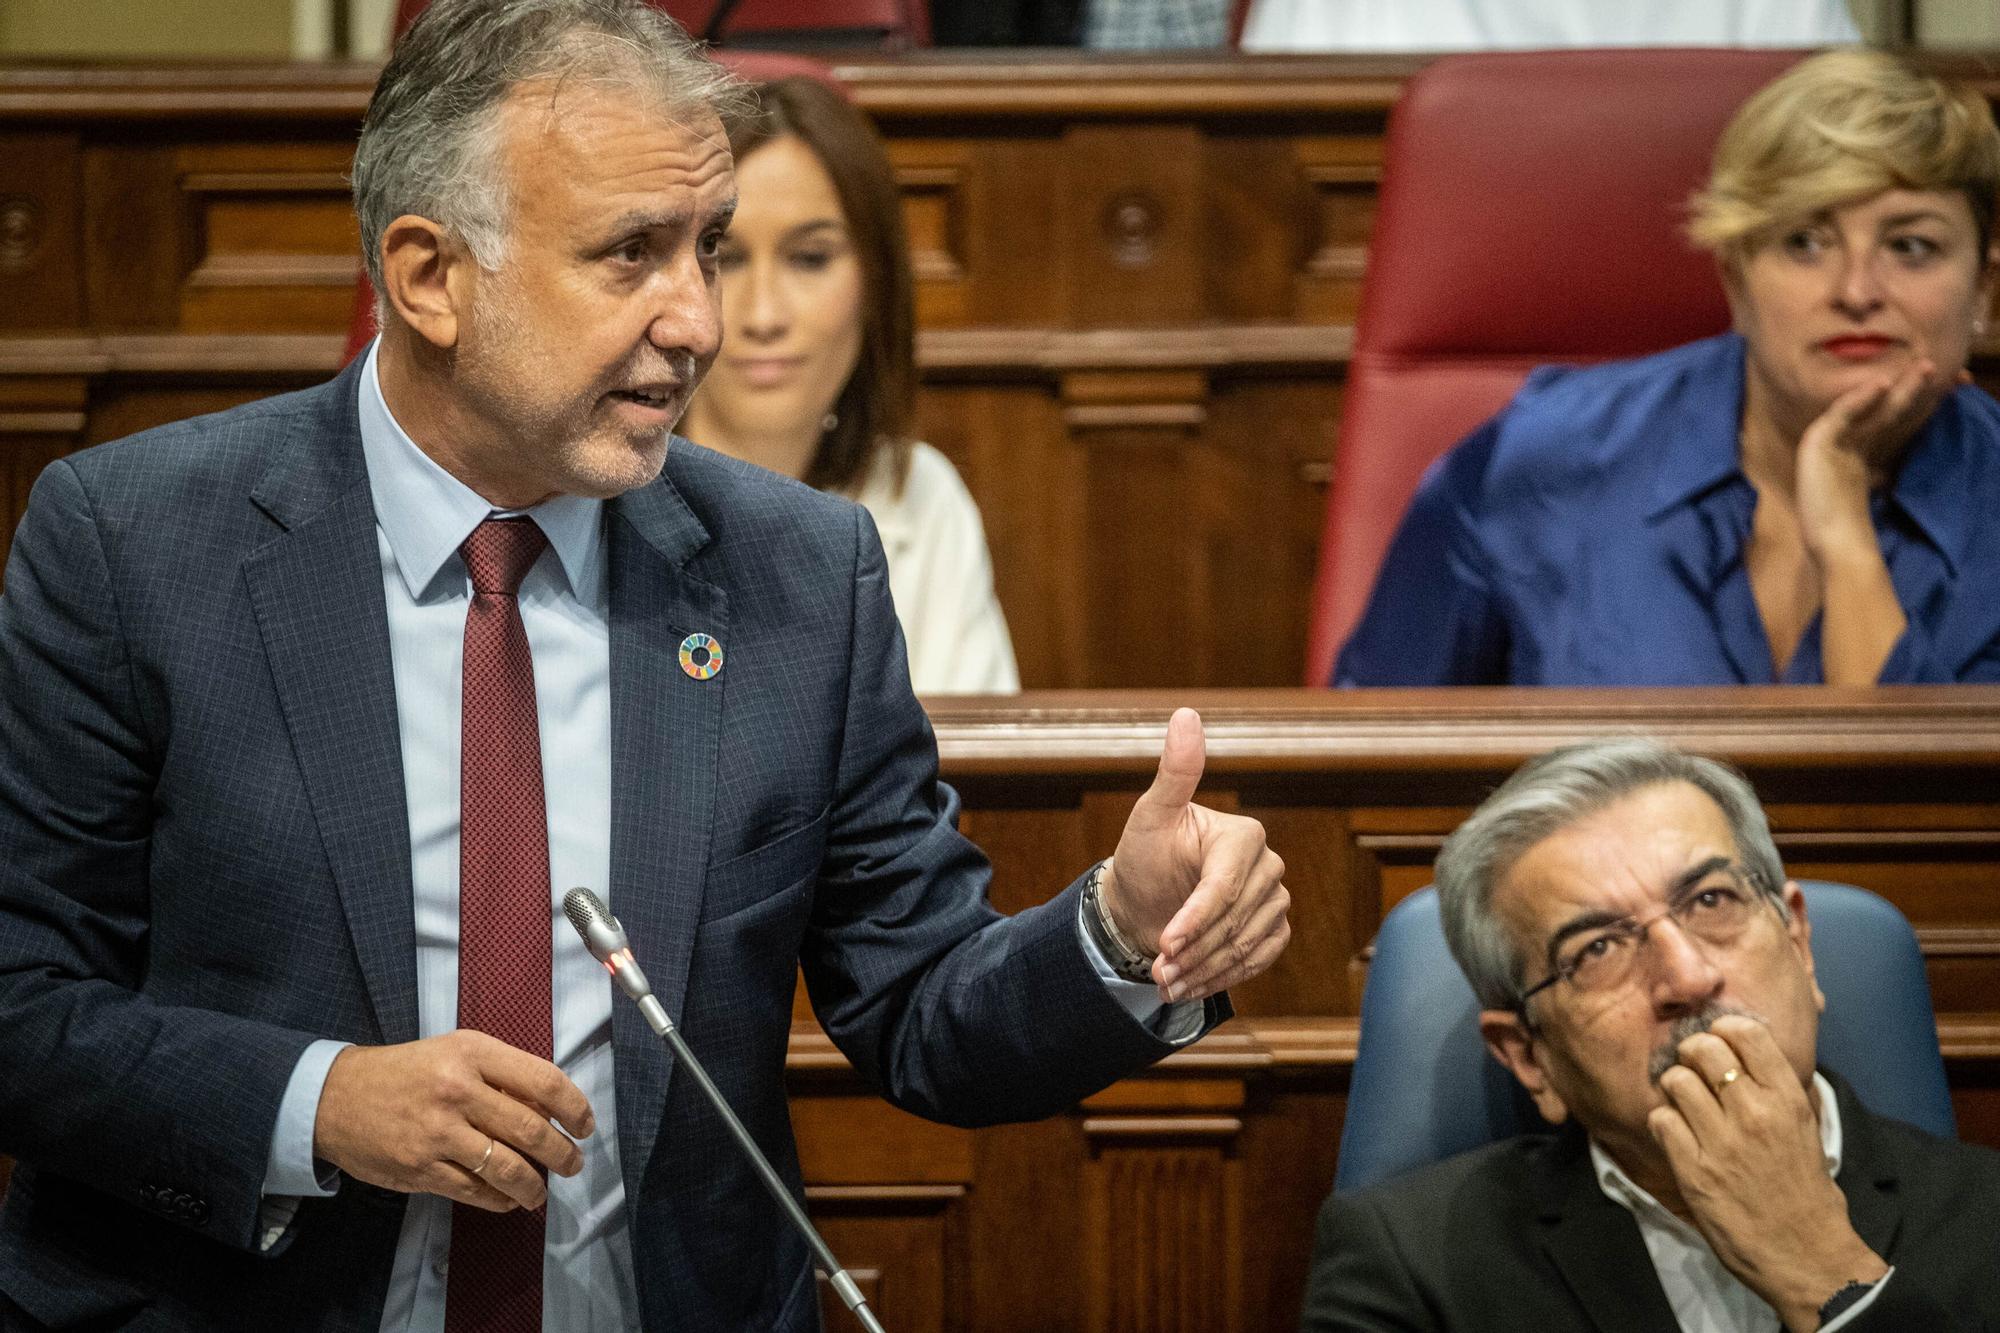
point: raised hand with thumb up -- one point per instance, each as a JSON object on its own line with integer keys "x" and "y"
{"x": 1199, "y": 887}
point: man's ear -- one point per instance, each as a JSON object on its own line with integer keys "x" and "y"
{"x": 427, "y": 279}
{"x": 1800, "y": 930}
{"x": 1510, "y": 1041}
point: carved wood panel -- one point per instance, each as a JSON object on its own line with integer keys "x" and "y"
{"x": 1164, "y": 1200}
{"x": 903, "y": 1246}
{"x": 275, "y": 241}
{"x": 1341, "y": 175}
{"x": 40, "y": 213}
{"x": 1161, "y": 1204}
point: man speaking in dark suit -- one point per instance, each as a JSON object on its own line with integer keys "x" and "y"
{"x": 1645, "y": 970}
{"x": 310, "y": 711}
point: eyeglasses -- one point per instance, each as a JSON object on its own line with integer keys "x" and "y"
{"x": 1598, "y": 956}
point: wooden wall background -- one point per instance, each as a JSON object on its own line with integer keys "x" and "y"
{"x": 1137, "y": 286}
{"x": 1137, "y": 281}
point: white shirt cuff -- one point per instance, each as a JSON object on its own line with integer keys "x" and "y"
{"x": 291, "y": 1171}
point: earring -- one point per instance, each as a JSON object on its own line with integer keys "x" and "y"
{"x": 829, "y": 422}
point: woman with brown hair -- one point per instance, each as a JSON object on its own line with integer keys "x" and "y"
{"x": 817, "y": 374}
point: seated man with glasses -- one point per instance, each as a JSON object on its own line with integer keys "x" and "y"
{"x": 1645, "y": 970}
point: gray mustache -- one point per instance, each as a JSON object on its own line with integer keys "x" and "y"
{"x": 1666, "y": 1055}
{"x": 679, "y": 367}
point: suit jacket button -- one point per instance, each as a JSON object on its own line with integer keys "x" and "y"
{"x": 199, "y": 1212}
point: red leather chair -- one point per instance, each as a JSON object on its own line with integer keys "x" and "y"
{"x": 756, "y": 66}
{"x": 1531, "y": 212}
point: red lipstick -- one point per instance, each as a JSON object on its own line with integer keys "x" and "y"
{"x": 1857, "y": 346}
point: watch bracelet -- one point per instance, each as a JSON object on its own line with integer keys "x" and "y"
{"x": 1126, "y": 960}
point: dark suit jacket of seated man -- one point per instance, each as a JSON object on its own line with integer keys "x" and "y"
{"x": 237, "y": 914}
{"x": 1646, "y": 973}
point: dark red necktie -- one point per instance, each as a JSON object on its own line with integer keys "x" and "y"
{"x": 494, "y": 1283}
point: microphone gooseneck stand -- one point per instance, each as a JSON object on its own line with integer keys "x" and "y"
{"x": 605, "y": 939}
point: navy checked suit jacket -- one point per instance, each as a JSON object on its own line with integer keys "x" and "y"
{"x": 204, "y": 866}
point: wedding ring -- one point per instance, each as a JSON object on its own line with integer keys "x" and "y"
{"x": 489, "y": 1153}
{"x": 1729, "y": 1077}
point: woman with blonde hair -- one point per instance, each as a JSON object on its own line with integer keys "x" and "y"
{"x": 1805, "y": 499}
{"x": 817, "y": 377}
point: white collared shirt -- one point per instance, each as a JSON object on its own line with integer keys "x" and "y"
{"x": 940, "y": 576}
{"x": 1705, "y": 1296}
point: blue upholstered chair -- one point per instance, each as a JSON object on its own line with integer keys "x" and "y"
{"x": 1425, "y": 1088}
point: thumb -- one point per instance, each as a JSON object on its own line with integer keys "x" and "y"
{"x": 1181, "y": 760}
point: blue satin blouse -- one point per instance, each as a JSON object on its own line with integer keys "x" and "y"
{"x": 1593, "y": 533}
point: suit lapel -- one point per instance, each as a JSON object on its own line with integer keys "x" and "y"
{"x": 1867, "y": 1178}
{"x": 1596, "y": 1246}
{"x": 665, "y": 735}
{"x": 316, "y": 591}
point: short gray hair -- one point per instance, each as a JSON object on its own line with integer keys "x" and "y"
{"x": 429, "y": 143}
{"x": 1548, "y": 794}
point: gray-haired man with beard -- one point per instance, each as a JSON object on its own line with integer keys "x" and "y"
{"x": 311, "y": 712}
{"x": 1645, "y": 970}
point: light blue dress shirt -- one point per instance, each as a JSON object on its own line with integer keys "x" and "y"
{"x": 422, "y": 514}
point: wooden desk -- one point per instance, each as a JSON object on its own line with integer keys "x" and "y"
{"x": 1137, "y": 280}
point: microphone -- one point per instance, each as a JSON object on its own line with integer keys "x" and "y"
{"x": 605, "y": 939}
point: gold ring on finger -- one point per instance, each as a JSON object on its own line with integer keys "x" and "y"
{"x": 1729, "y": 1076}
{"x": 488, "y": 1155}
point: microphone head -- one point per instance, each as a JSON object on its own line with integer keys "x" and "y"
{"x": 602, "y": 934}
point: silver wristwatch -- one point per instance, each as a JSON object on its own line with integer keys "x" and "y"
{"x": 1126, "y": 958}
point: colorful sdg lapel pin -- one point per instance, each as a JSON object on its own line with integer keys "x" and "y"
{"x": 701, "y": 656}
